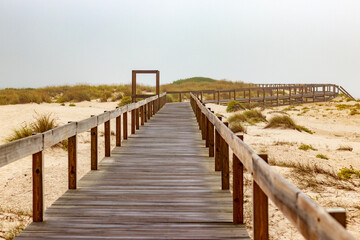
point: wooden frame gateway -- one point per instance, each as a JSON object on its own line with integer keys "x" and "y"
{"x": 134, "y": 72}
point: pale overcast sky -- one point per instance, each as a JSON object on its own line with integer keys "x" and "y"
{"x": 59, "y": 42}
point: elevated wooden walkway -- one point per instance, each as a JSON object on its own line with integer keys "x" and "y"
{"x": 160, "y": 184}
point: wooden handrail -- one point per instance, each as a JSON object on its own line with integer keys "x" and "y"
{"x": 312, "y": 221}
{"x": 36, "y": 144}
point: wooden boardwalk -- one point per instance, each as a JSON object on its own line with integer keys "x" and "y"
{"x": 160, "y": 184}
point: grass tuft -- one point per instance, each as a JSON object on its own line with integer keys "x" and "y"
{"x": 307, "y": 147}
{"x": 251, "y": 116}
{"x": 322, "y": 156}
{"x": 234, "y": 106}
{"x": 281, "y": 122}
{"x": 345, "y": 148}
{"x": 124, "y": 101}
{"x": 237, "y": 127}
{"x": 348, "y": 173}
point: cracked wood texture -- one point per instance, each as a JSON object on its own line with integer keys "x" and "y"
{"x": 160, "y": 184}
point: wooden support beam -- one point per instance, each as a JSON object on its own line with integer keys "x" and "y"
{"x": 72, "y": 162}
{"x": 118, "y": 131}
{"x": 211, "y": 139}
{"x": 125, "y": 125}
{"x": 207, "y": 123}
{"x": 224, "y": 154}
{"x": 145, "y": 112}
{"x": 203, "y": 127}
{"x": 218, "y": 163}
{"x": 94, "y": 148}
{"x": 238, "y": 189}
{"x": 107, "y": 138}
{"x": 260, "y": 210}
{"x": 133, "y": 121}
{"x": 142, "y": 115}
{"x": 137, "y": 119}
{"x": 38, "y": 187}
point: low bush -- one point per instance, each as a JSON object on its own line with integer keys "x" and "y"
{"x": 347, "y": 173}
{"x": 124, "y": 101}
{"x": 72, "y": 105}
{"x": 307, "y": 147}
{"x": 234, "y": 106}
{"x": 251, "y": 116}
{"x": 322, "y": 156}
{"x": 283, "y": 121}
{"x": 237, "y": 127}
{"x": 21, "y": 132}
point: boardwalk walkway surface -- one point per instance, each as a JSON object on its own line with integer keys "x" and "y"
{"x": 160, "y": 184}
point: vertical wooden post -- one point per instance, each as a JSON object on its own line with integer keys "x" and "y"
{"x": 94, "y": 148}
{"x": 137, "y": 119}
{"x": 211, "y": 138}
{"x": 179, "y": 96}
{"x": 203, "y": 126}
{"x": 118, "y": 130}
{"x": 72, "y": 162}
{"x": 238, "y": 189}
{"x": 260, "y": 210}
{"x": 218, "y": 93}
{"x": 207, "y": 123}
{"x": 38, "y": 194}
{"x": 218, "y": 163}
{"x": 224, "y": 154}
{"x": 234, "y": 94}
{"x": 142, "y": 114}
{"x": 107, "y": 138}
{"x": 145, "y": 113}
{"x": 133, "y": 121}
{"x": 125, "y": 125}
{"x": 277, "y": 96}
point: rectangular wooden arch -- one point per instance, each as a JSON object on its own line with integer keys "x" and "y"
{"x": 134, "y": 72}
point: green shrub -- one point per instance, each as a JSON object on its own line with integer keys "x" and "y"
{"x": 234, "y": 106}
{"x": 307, "y": 147}
{"x": 237, "y": 127}
{"x": 72, "y": 105}
{"x": 43, "y": 122}
{"x": 322, "y": 156}
{"x": 283, "y": 121}
{"x": 305, "y": 129}
{"x": 125, "y": 100}
{"x": 23, "y": 131}
{"x": 250, "y": 116}
{"x": 62, "y": 104}
{"x": 347, "y": 173}
{"x": 169, "y": 98}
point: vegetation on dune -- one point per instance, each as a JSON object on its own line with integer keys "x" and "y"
{"x": 306, "y": 147}
{"x": 194, "y": 79}
{"x": 125, "y": 100}
{"x": 234, "y": 106}
{"x": 322, "y": 156}
{"x": 286, "y": 122}
{"x": 42, "y": 123}
{"x": 251, "y": 116}
{"x": 348, "y": 173}
{"x": 237, "y": 127}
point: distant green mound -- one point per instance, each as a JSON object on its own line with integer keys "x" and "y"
{"x": 194, "y": 79}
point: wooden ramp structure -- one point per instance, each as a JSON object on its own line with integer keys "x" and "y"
{"x": 169, "y": 179}
{"x": 160, "y": 184}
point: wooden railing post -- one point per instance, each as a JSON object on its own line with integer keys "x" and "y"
{"x": 211, "y": 138}
{"x": 38, "y": 188}
{"x": 218, "y": 163}
{"x": 224, "y": 154}
{"x": 118, "y": 130}
{"x": 142, "y": 114}
{"x": 145, "y": 112}
{"x": 107, "y": 138}
{"x": 137, "y": 119}
{"x": 94, "y": 148}
{"x": 125, "y": 125}
{"x": 133, "y": 121}
{"x": 207, "y": 123}
{"x": 238, "y": 189}
{"x": 203, "y": 125}
{"x": 260, "y": 210}
{"x": 72, "y": 162}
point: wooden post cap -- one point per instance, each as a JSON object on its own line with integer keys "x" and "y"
{"x": 264, "y": 156}
{"x": 241, "y": 137}
{"x": 339, "y": 214}
{"x": 226, "y": 124}
{"x": 220, "y": 118}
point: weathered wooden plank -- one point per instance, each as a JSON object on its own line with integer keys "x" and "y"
{"x": 38, "y": 186}
{"x": 15, "y": 150}
{"x": 103, "y": 117}
{"x": 86, "y": 124}
{"x": 59, "y": 134}
{"x": 72, "y": 162}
